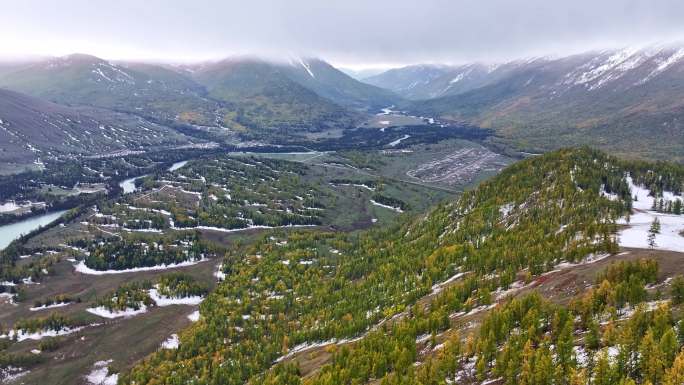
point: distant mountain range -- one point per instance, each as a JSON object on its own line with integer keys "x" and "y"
{"x": 629, "y": 101}
{"x": 57, "y": 105}
{"x": 247, "y": 94}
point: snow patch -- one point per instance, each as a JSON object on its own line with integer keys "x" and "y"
{"x": 99, "y": 375}
{"x": 396, "y": 142}
{"x": 171, "y": 343}
{"x": 162, "y": 300}
{"x": 397, "y": 209}
{"x": 194, "y": 316}
{"x": 106, "y": 313}
{"x": 636, "y": 232}
{"x": 21, "y": 335}
{"x": 83, "y": 269}
{"x": 54, "y": 305}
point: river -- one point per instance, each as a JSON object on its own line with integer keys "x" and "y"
{"x": 128, "y": 185}
{"x": 8, "y": 233}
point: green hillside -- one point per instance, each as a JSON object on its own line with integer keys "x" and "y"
{"x": 147, "y": 90}
{"x": 334, "y": 287}
{"x": 258, "y": 96}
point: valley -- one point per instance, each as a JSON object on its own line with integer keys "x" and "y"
{"x": 275, "y": 221}
{"x": 228, "y": 200}
{"x": 262, "y": 236}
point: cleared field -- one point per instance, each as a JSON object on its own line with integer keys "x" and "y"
{"x": 457, "y": 164}
{"x": 123, "y": 340}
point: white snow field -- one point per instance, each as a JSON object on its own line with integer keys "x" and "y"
{"x": 100, "y": 374}
{"x": 635, "y": 234}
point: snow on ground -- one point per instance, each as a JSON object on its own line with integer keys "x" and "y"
{"x": 353, "y": 184}
{"x": 436, "y": 288}
{"x": 221, "y": 229}
{"x": 396, "y": 142}
{"x": 8, "y": 207}
{"x": 100, "y": 374}
{"x": 83, "y": 269}
{"x": 219, "y": 274}
{"x": 635, "y": 234}
{"x": 481, "y": 309}
{"x": 9, "y": 296}
{"x": 21, "y": 335}
{"x": 305, "y": 346}
{"x": 11, "y": 373}
{"x": 643, "y": 201}
{"x": 581, "y": 356}
{"x": 194, "y": 316}
{"x": 506, "y": 209}
{"x": 397, "y": 209}
{"x": 171, "y": 342}
{"x": 591, "y": 258}
{"x": 162, "y": 300}
{"x": 514, "y": 288}
{"x": 106, "y": 313}
{"x": 54, "y": 305}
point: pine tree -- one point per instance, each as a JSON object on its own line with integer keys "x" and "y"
{"x": 578, "y": 377}
{"x": 652, "y": 231}
{"x": 677, "y": 290}
{"x": 651, "y": 359}
{"x": 669, "y": 347}
{"x": 528, "y": 365}
{"x": 602, "y": 370}
{"x": 543, "y": 370}
{"x": 675, "y": 375}
{"x": 564, "y": 345}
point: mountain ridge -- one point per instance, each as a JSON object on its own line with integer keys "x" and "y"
{"x": 259, "y": 94}
{"x": 610, "y": 98}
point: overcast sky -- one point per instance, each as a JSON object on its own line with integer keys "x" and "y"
{"x": 354, "y": 33}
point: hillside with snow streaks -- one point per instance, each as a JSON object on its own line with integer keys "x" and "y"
{"x": 610, "y": 99}
{"x": 32, "y": 129}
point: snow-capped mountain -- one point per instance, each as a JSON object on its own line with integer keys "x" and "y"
{"x": 608, "y": 99}
{"x": 412, "y": 82}
{"x": 622, "y": 69}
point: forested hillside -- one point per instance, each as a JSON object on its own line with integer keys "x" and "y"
{"x": 364, "y": 296}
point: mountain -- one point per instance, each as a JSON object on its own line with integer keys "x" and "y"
{"x": 361, "y": 74}
{"x": 262, "y": 96}
{"x": 627, "y": 101}
{"x": 148, "y": 90}
{"x": 33, "y": 129}
{"x": 422, "y": 82}
{"x": 409, "y": 81}
{"x": 331, "y": 83}
{"x": 245, "y": 94}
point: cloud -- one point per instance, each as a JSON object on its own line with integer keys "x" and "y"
{"x": 347, "y": 32}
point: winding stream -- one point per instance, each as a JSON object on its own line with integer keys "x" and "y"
{"x": 8, "y": 233}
